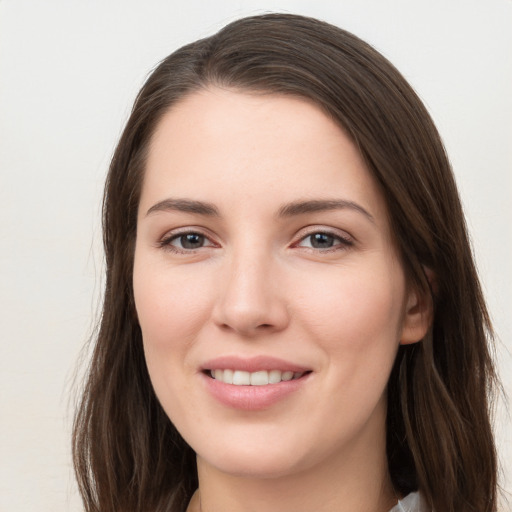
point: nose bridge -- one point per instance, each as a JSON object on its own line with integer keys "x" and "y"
{"x": 250, "y": 301}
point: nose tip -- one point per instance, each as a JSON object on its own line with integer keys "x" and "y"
{"x": 249, "y": 323}
{"x": 250, "y": 304}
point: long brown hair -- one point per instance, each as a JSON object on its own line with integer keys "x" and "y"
{"x": 128, "y": 456}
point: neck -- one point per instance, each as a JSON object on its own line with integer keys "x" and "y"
{"x": 343, "y": 483}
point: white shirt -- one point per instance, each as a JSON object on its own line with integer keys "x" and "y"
{"x": 411, "y": 503}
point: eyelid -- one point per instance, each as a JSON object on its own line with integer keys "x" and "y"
{"x": 164, "y": 242}
{"x": 345, "y": 238}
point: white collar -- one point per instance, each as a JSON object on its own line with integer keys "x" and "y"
{"x": 413, "y": 502}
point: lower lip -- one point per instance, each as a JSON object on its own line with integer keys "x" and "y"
{"x": 252, "y": 398}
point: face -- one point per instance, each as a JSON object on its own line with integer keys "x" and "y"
{"x": 268, "y": 290}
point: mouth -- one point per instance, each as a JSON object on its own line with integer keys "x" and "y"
{"x": 257, "y": 378}
{"x": 254, "y": 383}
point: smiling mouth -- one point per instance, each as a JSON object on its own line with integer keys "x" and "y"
{"x": 259, "y": 378}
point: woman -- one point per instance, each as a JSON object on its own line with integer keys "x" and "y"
{"x": 292, "y": 317}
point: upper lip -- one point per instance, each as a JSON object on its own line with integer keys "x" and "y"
{"x": 253, "y": 364}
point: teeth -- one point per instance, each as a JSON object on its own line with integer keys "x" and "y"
{"x": 260, "y": 378}
{"x": 287, "y": 376}
{"x": 274, "y": 376}
{"x": 240, "y": 378}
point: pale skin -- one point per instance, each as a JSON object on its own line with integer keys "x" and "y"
{"x": 261, "y": 232}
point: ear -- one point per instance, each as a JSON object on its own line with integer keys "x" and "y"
{"x": 419, "y": 313}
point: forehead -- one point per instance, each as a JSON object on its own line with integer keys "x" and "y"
{"x": 224, "y": 146}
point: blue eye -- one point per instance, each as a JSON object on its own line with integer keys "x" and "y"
{"x": 189, "y": 241}
{"x": 183, "y": 242}
{"x": 325, "y": 241}
{"x": 321, "y": 240}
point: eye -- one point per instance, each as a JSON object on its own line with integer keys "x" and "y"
{"x": 321, "y": 240}
{"x": 186, "y": 241}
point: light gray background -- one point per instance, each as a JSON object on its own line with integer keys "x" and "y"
{"x": 69, "y": 71}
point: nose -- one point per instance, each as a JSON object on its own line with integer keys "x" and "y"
{"x": 251, "y": 301}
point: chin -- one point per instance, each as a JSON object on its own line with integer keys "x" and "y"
{"x": 267, "y": 467}
{"x": 255, "y": 460}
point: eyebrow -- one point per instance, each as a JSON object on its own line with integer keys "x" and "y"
{"x": 185, "y": 205}
{"x": 288, "y": 210}
{"x": 321, "y": 205}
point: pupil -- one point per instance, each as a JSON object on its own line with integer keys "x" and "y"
{"x": 321, "y": 240}
{"x": 192, "y": 241}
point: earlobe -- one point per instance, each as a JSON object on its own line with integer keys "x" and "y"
{"x": 419, "y": 313}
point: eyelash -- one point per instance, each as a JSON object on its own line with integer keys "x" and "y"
{"x": 344, "y": 242}
{"x": 166, "y": 242}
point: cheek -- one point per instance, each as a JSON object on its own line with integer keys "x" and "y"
{"x": 170, "y": 305}
{"x": 171, "y": 309}
{"x": 356, "y": 323}
{"x": 356, "y": 316}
